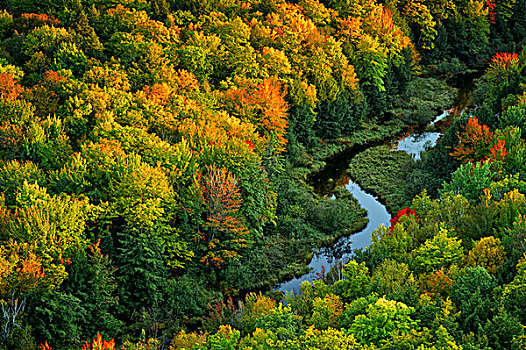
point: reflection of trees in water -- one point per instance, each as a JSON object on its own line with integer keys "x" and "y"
{"x": 337, "y": 251}
{"x": 466, "y": 84}
{"x": 328, "y": 188}
{"x": 337, "y": 256}
{"x": 333, "y": 176}
{"x": 415, "y": 144}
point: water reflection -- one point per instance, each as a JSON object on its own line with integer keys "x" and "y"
{"x": 444, "y": 114}
{"x": 342, "y": 249}
{"x": 415, "y": 144}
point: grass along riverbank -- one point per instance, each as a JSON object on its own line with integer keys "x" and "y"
{"x": 383, "y": 173}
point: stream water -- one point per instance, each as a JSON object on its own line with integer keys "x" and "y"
{"x": 418, "y": 142}
{"x": 377, "y": 214}
{"x": 342, "y": 250}
{"x": 414, "y": 144}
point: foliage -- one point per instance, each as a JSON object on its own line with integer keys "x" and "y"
{"x": 254, "y": 307}
{"x": 404, "y": 212}
{"x": 99, "y": 344}
{"x": 472, "y": 292}
{"x": 221, "y": 313}
{"x": 394, "y": 280}
{"x": 355, "y": 279}
{"x": 469, "y": 180}
{"x": 226, "y": 233}
{"x": 154, "y": 158}
{"x": 325, "y": 312}
{"x": 488, "y": 253}
{"x": 383, "y": 319}
{"x": 439, "y": 252}
{"x": 475, "y": 142}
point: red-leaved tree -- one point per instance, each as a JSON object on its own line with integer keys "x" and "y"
{"x": 406, "y": 211}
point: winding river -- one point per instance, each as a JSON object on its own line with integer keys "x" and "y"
{"x": 414, "y": 144}
{"x": 327, "y": 257}
{"x": 377, "y": 214}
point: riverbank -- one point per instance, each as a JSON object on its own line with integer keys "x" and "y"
{"x": 384, "y": 172}
{"x": 325, "y": 169}
{"x": 342, "y": 249}
{"x": 330, "y": 158}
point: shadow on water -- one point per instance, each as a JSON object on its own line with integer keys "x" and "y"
{"x": 334, "y": 174}
{"x": 465, "y": 83}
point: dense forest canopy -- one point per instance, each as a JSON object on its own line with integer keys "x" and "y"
{"x": 153, "y": 166}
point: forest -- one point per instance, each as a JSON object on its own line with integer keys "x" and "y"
{"x": 157, "y": 160}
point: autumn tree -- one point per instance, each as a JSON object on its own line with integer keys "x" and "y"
{"x": 224, "y": 231}
{"x": 46, "y": 95}
{"x": 476, "y": 140}
{"x": 264, "y": 106}
{"x": 325, "y": 311}
{"x": 39, "y": 237}
{"x": 488, "y": 253}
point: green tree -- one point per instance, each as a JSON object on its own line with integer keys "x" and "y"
{"x": 68, "y": 56}
{"x": 354, "y": 283}
{"x": 469, "y": 180}
{"x": 395, "y": 281}
{"x": 91, "y": 279}
{"x": 383, "y": 319}
{"x": 503, "y": 329}
{"x": 472, "y": 292}
{"x": 514, "y": 293}
{"x": 440, "y": 251}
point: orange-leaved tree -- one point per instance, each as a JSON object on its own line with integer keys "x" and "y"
{"x": 99, "y": 344}
{"x": 498, "y": 152}
{"x": 263, "y": 105}
{"x": 9, "y": 87}
{"x": 504, "y": 60}
{"x": 476, "y": 140}
{"x": 225, "y": 232}
{"x": 504, "y": 66}
{"x": 437, "y": 282}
